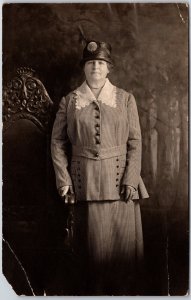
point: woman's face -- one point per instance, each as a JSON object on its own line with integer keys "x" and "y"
{"x": 96, "y": 70}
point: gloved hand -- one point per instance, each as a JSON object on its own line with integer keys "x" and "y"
{"x": 67, "y": 194}
{"x": 127, "y": 191}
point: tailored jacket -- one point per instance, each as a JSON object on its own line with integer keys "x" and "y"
{"x": 105, "y": 139}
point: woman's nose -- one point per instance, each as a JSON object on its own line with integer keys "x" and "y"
{"x": 95, "y": 64}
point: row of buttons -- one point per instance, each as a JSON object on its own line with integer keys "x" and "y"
{"x": 78, "y": 174}
{"x": 97, "y": 126}
{"x": 117, "y": 179}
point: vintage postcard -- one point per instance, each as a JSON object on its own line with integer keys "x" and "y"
{"x": 95, "y": 149}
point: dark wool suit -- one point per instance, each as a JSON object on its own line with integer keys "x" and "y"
{"x": 106, "y": 153}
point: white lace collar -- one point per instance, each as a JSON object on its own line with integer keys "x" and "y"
{"x": 84, "y": 96}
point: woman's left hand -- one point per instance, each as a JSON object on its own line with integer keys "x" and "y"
{"x": 128, "y": 192}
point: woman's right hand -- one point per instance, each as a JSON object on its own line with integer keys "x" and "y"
{"x": 64, "y": 194}
{"x": 63, "y": 190}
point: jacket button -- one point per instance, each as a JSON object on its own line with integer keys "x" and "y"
{"x": 117, "y": 166}
{"x": 97, "y": 155}
{"x": 117, "y": 159}
{"x": 117, "y": 173}
{"x": 117, "y": 185}
{"x": 96, "y": 108}
{"x": 97, "y": 142}
{"x": 117, "y": 179}
{"x": 97, "y": 125}
{"x": 97, "y": 117}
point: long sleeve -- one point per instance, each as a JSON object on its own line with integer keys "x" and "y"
{"x": 59, "y": 146}
{"x": 134, "y": 146}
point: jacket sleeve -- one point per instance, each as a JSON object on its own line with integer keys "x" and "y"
{"x": 134, "y": 146}
{"x": 60, "y": 145}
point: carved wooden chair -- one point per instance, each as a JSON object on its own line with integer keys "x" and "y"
{"x": 31, "y": 212}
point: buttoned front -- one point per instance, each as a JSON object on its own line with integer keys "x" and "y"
{"x": 106, "y": 143}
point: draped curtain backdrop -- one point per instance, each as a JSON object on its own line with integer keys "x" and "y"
{"x": 150, "y": 49}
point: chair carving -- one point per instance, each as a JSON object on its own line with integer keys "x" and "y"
{"x": 25, "y": 97}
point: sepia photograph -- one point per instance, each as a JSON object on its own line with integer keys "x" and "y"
{"x": 95, "y": 150}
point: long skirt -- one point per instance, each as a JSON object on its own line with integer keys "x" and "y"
{"x": 108, "y": 239}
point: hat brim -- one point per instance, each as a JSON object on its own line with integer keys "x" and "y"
{"x": 84, "y": 60}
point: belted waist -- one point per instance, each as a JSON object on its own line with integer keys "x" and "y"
{"x": 99, "y": 153}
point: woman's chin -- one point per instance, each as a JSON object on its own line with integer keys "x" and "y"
{"x": 97, "y": 76}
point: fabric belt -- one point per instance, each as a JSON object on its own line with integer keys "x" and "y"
{"x": 99, "y": 153}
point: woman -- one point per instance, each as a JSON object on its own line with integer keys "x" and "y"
{"x": 101, "y": 124}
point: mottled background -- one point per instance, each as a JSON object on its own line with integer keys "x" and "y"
{"x": 150, "y": 48}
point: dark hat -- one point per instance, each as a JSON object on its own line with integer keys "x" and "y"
{"x": 97, "y": 50}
